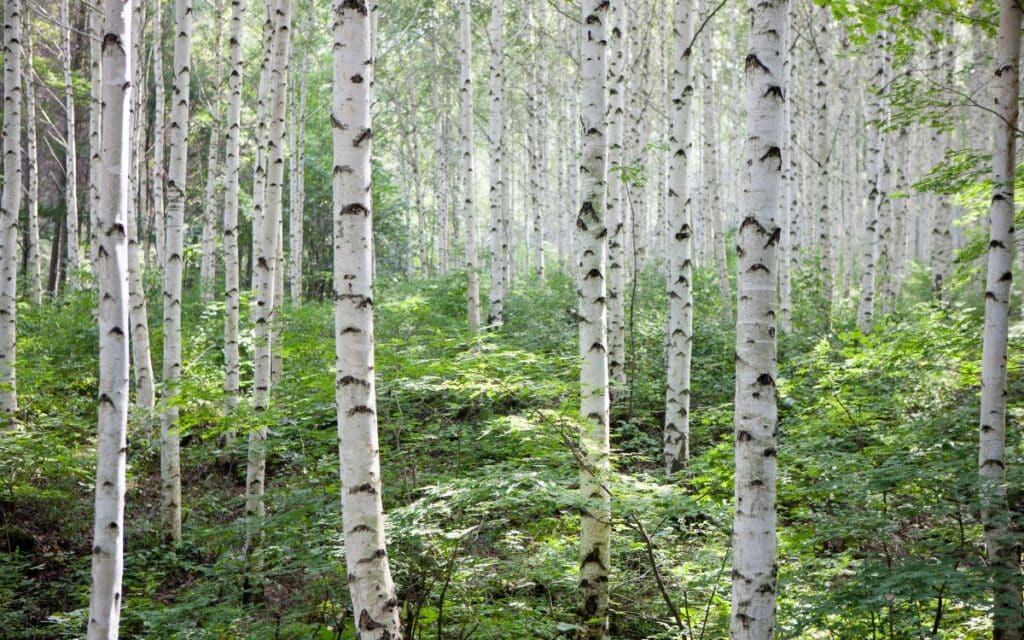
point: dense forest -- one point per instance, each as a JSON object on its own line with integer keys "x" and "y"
{"x": 511, "y": 319}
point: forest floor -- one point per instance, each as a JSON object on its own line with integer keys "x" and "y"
{"x": 879, "y": 533}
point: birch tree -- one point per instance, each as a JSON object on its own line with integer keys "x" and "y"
{"x": 112, "y": 266}
{"x": 754, "y": 541}
{"x": 466, "y": 148}
{"x": 496, "y": 138}
{"x": 822, "y": 152}
{"x": 138, "y": 315}
{"x": 208, "y": 246}
{"x": 10, "y": 205}
{"x": 1001, "y": 544}
{"x": 374, "y": 599}
{"x": 875, "y": 160}
{"x": 617, "y": 215}
{"x": 170, "y": 445}
{"x": 680, "y": 249}
{"x": 94, "y": 12}
{"x": 297, "y": 178}
{"x": 72, "y": 258}
{"x": 32, "y": 256}
{"x": 267, "y": 265}
{"x": 159, "y": 168}
{"x": 595, "y": 520}
{"x": 232, "y": 150}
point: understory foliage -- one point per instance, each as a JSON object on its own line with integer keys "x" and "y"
{"x": 879, "y": 529}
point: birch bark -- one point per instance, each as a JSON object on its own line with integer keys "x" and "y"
{"x": 232, "y": 284}
{"x": 466, "y": 147}
{"x": 374, "y": 599}
{"x": 112, "y": 266}
{"x": 10, "y": 204}
{"x": 170, "y": 444}
{"x": 680, "y": 253}
{"x": 595, "y": 520}
{"x": 496, "y": 115}
{"x": 32, "y": 256}
{"x": 755, "y": 544}
{"x": 208, "y": 246}
{"x": 1001, "y": 544}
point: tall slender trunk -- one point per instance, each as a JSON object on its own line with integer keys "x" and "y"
{"x": 267, "y": 268}
{"x": 442, "y": 196}
{"x": 9, "y": 206}
{"x": 142, "y": 359}
{"x": 754, "y": 540}
{"x": 94, "y": 9}
{"x": 1001, "y": 543}
{"x": 232, "y": 285}
{"x": 876, "y": 196}
{"x": 617, "y": 205}
{"x": 170, "y": 445}
{"x": 297, "y": 179}
{"x": 680, "y": 249}
{"x": 112, "y": 266}
{"x": 159, "y": 168}
{"x": 712, "y": 201}
{"x": 540, "y": 89}
{"x": 466, "y": 147}
{"x": 941, "y": 215}
{"x": 822, "y": 156}
{"x": 374, "y": 599}
{"x": 73, "y": 257}
{"x": 595, "y": 518}
{"x": 787, "y": 209}
{"x": 496, "y": 114}
{"x": 33, "y": 260}
{"x": 208, "y": 246}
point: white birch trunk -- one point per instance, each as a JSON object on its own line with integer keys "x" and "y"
{"x": 466, "y": 147}
{"x": 208, "y": 246}
{"x": 32, "y": 255}
{"x": 72, "y": 257}
{"x": 595, "y": 520}
{"x": 875, "y": 160}
{"x": 680, "y": 249}
{"x": 617, "y": 206}
{"x": 442, "y": 197}
{"x": 266, "y": 268}
{"x": 754, "y": 540}
{"x": 142, "y": 359}
{"x": 95, "y": 12}
{"x": 1001, "y": 543}
{"x": 170, "y": 442}
{"x": 822, "y": 154}
{"x": 9, "y": 206}
{"x": 374, "y": 599}
{"x": 296, "y": 201}
{"x": 496, "y": 114}
{"x": 787, "y": 210}
{"x": 112, "y": 266}
{"x": 159, "y": 169}
{"x": 232, "y": 285}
